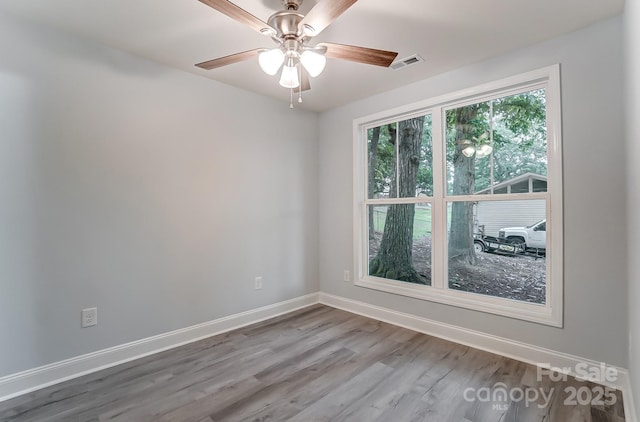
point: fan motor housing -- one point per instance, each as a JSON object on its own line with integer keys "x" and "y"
{"x": 286, "y": 23}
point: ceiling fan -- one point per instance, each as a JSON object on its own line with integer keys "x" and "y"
{"x": 292, "y": 32}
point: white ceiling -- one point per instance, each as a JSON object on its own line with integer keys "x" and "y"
{"x": 446, "y": 33}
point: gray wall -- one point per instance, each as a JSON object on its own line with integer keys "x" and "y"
{"x": 150, "y": 193}
{"x": 632, "y": 17}
{"x": 595, "y": 323}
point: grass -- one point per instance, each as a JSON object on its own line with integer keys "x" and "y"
{"x": 421, "y": 220}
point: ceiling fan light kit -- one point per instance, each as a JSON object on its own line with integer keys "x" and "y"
{"x": 292, "y": 31}
{"x": 480, "y": 146}
{"x": 289, "y": 78}
{"x": 484, "y": 150}
{"x": 271, "y": 60}
{"x": 313, "y": 62}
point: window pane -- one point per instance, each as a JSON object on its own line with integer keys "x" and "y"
{"x": 500, "y": 143}
{"x": 381, "y": 149}
{"x": 467, "y": 131}
{"x": 400, "y": 242}
{"x": 498, "y": 248}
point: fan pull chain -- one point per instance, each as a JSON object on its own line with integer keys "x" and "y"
{"x": 290, "y": 97}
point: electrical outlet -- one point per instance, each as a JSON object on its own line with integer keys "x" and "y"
{"x": 347, "y": 275}
{"x": 258, "y": 283}
{"x": 89, "y": 317}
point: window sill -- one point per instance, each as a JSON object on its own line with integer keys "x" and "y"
{"x": 541, "y": 314}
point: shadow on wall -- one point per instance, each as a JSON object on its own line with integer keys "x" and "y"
{"x": 20, "y": 312}
{"x": 50, "y": 42}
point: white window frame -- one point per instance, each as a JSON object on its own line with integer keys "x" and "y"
{"x": 549, "y": 313}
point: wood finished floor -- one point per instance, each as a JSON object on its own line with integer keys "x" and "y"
{"x": 316, "y": 364}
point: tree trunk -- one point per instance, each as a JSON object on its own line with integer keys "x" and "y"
{"x": 461, "y": 231}
{"x": 394, "y": 258}
{"x": 373, "y": 158}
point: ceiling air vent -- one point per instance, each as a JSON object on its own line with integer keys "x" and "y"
{"x": 407, "y": 61}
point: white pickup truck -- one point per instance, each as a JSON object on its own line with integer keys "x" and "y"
{"x": 533, "y": 236}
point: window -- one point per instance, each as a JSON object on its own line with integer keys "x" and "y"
{"x": 400, "y": 184}
{"x": 453, "y": 197}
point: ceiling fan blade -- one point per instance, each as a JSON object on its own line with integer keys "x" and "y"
{"x": 305, "y": 85}
{"x": 241, "y": 15}
{"x": 233, "y": 58}
{"x": 322, "y": 14}
{"x": 359, "y": 54}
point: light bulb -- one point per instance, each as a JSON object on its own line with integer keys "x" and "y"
{"x": 289, "y": 77}
{"x": 469, "y": 151}
{"x": 271, "y": 60}
{"x": 487, "y": 149}
{"x": 467, "y": 148}
{"x": 484, "y": 150}
{"x": 313, "y": 62}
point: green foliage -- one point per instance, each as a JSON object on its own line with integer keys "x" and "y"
{"x": 519, "y": 138}
{"x": 519, "y": 144}
{"x": 425, "y": 170}
{"x": 385, "y": 154}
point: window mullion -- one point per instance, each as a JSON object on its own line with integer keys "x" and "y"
{"x": 439, "y": 241}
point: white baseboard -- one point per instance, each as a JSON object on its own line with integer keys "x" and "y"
{"x": 494, "y": 344}
{"x": 24, "y": 382}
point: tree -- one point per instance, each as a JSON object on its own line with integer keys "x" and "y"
{"x": 373, "y": 158}
{"x": 394, "y": 257}
{"x": 461, "y": 231}
{"x": 425, "y": 169}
